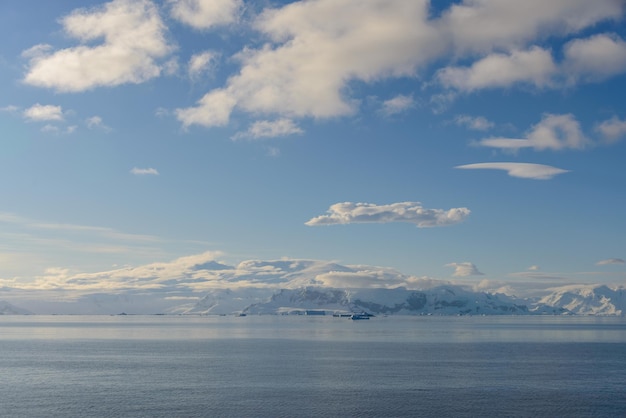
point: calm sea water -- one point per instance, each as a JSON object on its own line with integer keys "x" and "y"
{"x": 269, "y": 366}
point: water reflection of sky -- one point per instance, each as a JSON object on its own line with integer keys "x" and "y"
{"x": 380, "y": 329}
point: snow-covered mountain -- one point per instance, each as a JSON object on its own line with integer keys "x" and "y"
{"x": 8, "y": 309}
{"x": 444, "y": 300}
{"x": 202, "y": 285}
{"x": 587, "y": 300}
{"x": 438, "y": 300}
{"x": 224, "y": 301}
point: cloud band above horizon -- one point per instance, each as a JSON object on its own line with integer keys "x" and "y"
{"x": 410, "y": 212}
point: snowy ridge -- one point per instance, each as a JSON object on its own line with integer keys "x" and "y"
{"x": 588, "y": 300}
{"x": 439, "y": 300}
{"x": 199, "y": 285}
{"x": 8, "y": 309}
{"x": 443, "y": 300}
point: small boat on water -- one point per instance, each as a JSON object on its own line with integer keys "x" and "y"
{"x": 356, "y": 317}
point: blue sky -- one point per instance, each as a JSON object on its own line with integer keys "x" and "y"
{"x": 481, "y": 142}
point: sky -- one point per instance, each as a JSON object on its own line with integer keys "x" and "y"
{"x": 476, "y": 141}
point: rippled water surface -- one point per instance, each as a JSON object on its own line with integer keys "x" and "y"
{"x": 270, "y": 366}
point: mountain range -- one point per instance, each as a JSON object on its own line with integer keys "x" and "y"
{"x": 202, "y": 286}
{"x": 439, "y": 300}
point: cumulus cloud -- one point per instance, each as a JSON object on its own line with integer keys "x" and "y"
{"x": 204, "y": 14}
{"x": 481, "y": 26}
{"x": 213, "y": 109}
{"x": 476, "y": 123}
{"x": 610, "y": 261}
{"x": 555, "y": 132}
{"x": 411, "y": 212}
{"x": 39, "y": 113}
{"x": 399, "y": 104}
{"x": 465, "y": 269}
{"x": 270, "y": 129}
{"x": 595, "y": 58}
{"x": 521, "y": 170}
{"x": 534, "y": 66}
{"x": 133, "y": 39}
{"x": 317, "y": 48}
{"x": 612, "y": 129}
{"x": 144, "y": 171}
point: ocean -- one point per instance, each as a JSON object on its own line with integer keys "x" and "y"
{"x": 312, "y": 366}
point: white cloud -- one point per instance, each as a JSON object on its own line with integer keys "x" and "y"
{"x": 521, "y": 170}
{"x": 595, "y": 58}
{"x": 553, "y": 132}
{"x": 534, "y": 66}
{"x": 201, "y": 63}
{"x": 133, "y": 39}
{"x": 213, "y": 110}
{"x": 610, "y": 261}
{"x": 204, "y": 14}
{"x": 144, "y": 171}
{"x": 318, "y": 47}
{"x": 477, "y": 123}
{"x": 38, "y": 113}
{"x": 534, "y": 268}
{"x": 202, "y": 272}
{"x": 399, "y": 104}
{"x": 482, "y": 25}
{"x": 612, "y": 129}
{"x": 465, "y": 269}
{"x": 411, "y": 212}
{"x": 270, "y": 129}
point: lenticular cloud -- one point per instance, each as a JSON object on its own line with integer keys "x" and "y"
{"x": 411, "y": 212}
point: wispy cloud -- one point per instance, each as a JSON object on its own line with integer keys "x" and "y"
{"x": 610, "y": 261}
{"x": 53, "y": 129}
{"x": 10, "y": 109}
{"x": 96, "y": 122}
{"x": 144, "y": 171}
{"x": 521, "y": 170}
{"x": 42, "y": 113}
{"x": 476, "y": 123}
{"x": 9, "y": 218}
{"x": 205, "y": 14}
{"x": 201, "y": 63}
{"x": 465, "y": 269}
{"x": 411, "y": 212}
{"x": 134, "y": 39}
{"x": 270, "y": 129}
{"x": 554, "y": 132}
{"x": 396, "y": 105}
